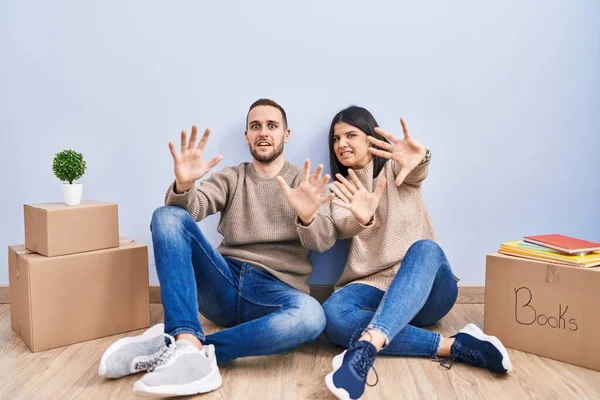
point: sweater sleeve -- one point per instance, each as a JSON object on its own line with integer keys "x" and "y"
{"x": 416, "y": 176}
{"x": 320, "y": 235}
{"x": 208, "y": 198}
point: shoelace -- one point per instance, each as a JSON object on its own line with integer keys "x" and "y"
{"x": 150, "y": 362}
{"x": 364, "y": 362}
{"x": 466, "y": 355}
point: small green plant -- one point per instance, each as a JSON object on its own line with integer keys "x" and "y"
{"x": 68, "y": 166}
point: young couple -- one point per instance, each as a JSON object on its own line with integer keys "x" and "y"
{"x": 396, "y": 279}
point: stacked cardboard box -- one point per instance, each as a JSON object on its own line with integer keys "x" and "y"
{"x": 75, "y": 279}
{"x": 544, "y": 308}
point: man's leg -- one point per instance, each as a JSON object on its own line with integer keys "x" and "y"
{"x": 273, "y": 316}
{"x": 192, "y": 274}
{"x": 187, "y": 266}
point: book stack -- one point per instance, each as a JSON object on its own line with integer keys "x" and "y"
{"x": 558, "y": 249}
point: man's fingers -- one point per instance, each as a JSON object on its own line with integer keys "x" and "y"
{"x": 183, "y": 141}
{"x": 173, "y": 151}
{"x": 342, "y": 204}
{"x": 355, "y": 179}
{"x": 386, "y": 135}
{"x": 192, "y": 142}
{"x": 350, "y": 186}
{"x": 316, "y": 177}
{"x": 404, "y": 128}
{"x": 344, "y": 190}
{"x": 380, "y": 153}
{"x": 283, "y": 184}
{"x": 327, "y": 198}
{"x": 323, "y": 183}
{"x": 306, "y": 171}
{"x": 380, "y": 143}
{"x": 204, "y": 139}
{"x": 214, "y": 161}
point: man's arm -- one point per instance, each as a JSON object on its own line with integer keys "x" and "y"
{"x": 208, "y": 198}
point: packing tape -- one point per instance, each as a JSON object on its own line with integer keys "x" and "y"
{"x": 553, "y": 274}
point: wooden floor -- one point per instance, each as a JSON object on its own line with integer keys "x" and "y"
{"x": 71, "y": 372}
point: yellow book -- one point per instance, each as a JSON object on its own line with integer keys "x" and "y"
{"x": 539, "y": 258}
{"x": 515, "y": 247}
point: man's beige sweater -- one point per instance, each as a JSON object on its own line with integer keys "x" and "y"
{"x": 377, "y": 250}
{"x": 258, "y": 225}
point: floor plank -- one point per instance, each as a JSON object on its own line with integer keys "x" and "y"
{"x": 71, "y": 372}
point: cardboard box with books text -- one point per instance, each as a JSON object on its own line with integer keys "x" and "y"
{"x": 543, "y": 308}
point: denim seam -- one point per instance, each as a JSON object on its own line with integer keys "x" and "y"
{"x": 244, "y": 267}
{"x": 190, "y": 237}
{"x": 381, "y": 329}
{"x": 177, "y": 331}
{"x": 435, "y": 345}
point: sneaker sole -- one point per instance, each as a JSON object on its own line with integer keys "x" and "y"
{"x": 474, "y": 331}
{"x": 204, "y": 385}
{"x": 156, "y": 330}
{"x": 337, "y": 361}
{"x": 340, "y": 393}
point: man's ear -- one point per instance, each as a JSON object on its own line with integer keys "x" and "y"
{"x": 246, "y": 136}
{"x": 286, "y": 136}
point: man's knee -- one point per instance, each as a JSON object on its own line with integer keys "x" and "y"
{"x": 168, "y": 216}
{"x": 303, "y": 321}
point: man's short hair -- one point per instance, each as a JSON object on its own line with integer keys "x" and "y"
{"x": 268, "y": 102}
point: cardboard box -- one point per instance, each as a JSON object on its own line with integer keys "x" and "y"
{"x": 68, "y": 299}
{"x": 54, "y": 229}
{"x": 543, "y": 308}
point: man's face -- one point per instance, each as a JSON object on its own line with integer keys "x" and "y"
{"x": 266, "y": 133}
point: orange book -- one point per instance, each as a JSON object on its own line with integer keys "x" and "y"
{"x": 563, "y": 243}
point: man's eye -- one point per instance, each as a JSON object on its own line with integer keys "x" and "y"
{"x": 271, "y": 126}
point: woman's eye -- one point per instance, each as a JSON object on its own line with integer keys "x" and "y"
{"x": 335, "y": 139}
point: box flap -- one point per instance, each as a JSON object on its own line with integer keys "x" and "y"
{"x": 20, "y": 294}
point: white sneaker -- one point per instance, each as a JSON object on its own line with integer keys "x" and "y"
{"x": 181, "y": 370}
{"x": 130, "y": 355}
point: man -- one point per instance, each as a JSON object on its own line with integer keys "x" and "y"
{"x": 254, "y": 283}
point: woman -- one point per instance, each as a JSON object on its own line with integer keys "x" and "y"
{"x": 396, "y": 279}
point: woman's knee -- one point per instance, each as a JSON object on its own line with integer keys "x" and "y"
{"x": 337, "y": 327}
{"x": 426, "y": 247}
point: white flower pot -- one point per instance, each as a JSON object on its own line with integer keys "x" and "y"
{"x": 72, "y": 193}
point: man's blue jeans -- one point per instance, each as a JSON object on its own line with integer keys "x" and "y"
{"x": 422, "y": 292}
{"x": 263, "y": 315}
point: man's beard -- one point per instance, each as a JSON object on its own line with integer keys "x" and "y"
{"x": 267, "y": 158}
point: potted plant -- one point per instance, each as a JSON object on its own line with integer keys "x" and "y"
{"x": 69, "y": 166}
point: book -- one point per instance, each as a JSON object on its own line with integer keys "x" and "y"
{"x": 521, "y": 248}
{"x": 556, "y": 262}
{"x": 565, "y": 244}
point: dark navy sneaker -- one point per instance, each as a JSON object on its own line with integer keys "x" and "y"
{"x": 350, "y": 369}
{"x": 474, "y": 347}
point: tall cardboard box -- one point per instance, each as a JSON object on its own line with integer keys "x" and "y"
{"x": 56, "y": 301}
{"x": 54, "y": 229}
{"x": 543, "y": 308}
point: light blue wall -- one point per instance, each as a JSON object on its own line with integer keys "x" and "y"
{"x": 506, "y": 95}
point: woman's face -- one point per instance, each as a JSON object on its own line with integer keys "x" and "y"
{"x": 351, "y": 146}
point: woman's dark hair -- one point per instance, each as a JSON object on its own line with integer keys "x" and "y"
{"x": 362, "y": 119}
